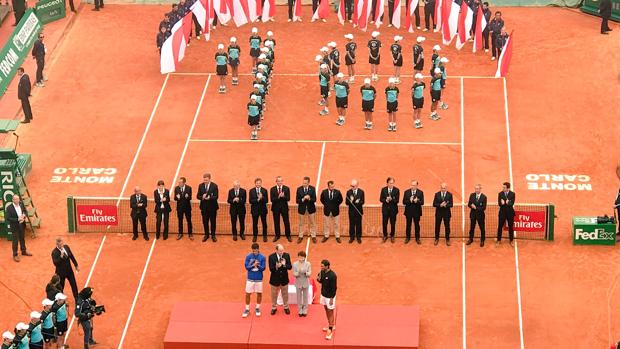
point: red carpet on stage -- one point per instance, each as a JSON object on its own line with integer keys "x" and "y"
{"x": 220, "y": 325}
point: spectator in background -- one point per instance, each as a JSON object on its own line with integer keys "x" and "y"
{"x": 255, "y": 265}
{"x": 236, "y": 200}
{"x": 23, "y": 93}
{"x": 495, "y": 29}
{"x": 604, "y": 10}
{"x": 302, "y": 270}
{"x": 62, "y": 256}
{"x": 53, "y": 287}
{"x": 16, "y": 217}
{"x": 279, "y": 265}
{"x": 162, "y": 208}
{"x": 38, "y": 54}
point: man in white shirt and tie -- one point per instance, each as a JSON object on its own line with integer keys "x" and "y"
{"x": 16, "y": 217}
{"x": 355, "y": 201}
{"x": 138, "y": 203}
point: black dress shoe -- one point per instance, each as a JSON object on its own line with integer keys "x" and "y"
{"x": 392, "y": 239}
{"x": 384, "y": 239}
{"x": 28, "y": 121}
{"x": 147, "y": 238}
{"x": 276, "y": 238}
{"x": 254, "y": 239}
{"x": 191, "y": 237}
{"x": 436, "y": 242}
{"x": 205, "y": 238}
{"x": 469, "y": 242}
{"x": 299, "y": 240}
{"x": 287, "y": 311}
{"x": 264, "y": 239}
{"x": 213, "y": 238}
{"x": 359, "y": 240}
{"x": 134, "y": 238}
{"x": 324, "y": 239}
{"x": 156, "y": 237}
{"x": 338, "y": 240}
{"x": 273, "y": 311}
{"x": 166, "y": 237}
{"x": 235, "y": 238}
{"x": 417, "y": 241}
{"x": 95, "y": 9}
{"x": 482, "y": 243}
{"x": 314, "y": 240}
{"x": 605, "y": 33}
{"x": 242, "y": 237}
{"x": 351, "y": 241}
{"x": 447, "y": 242}
{"x": 288, "y": 238}
{"x": 407, "y": 240}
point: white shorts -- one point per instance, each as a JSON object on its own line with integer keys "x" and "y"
{"x": 253, "y": 286}
{"x": 325, "y": 301}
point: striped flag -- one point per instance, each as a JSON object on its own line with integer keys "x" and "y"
{"x": 364, "y": 14}
{"x": 297, "y": 11}
{"x": 466, "y": 17}
{"x": 269, "y": 10}
{"x": 239, "y": 11}
{"x": 438, "y": 14}
{"x": 202, "y": 9}
{"x": 504, "y": 58}
{"x": 450, "y": 18}
{"x": 481, "y": 24}
{"x": 342, "y": 15}
{"x": 379, "y": 10}
{"x": 255, "y": 9}
{"x": 396, "y": 14}
{"x": 322, "y": 11}
{"x": 410, "y": 14}
{"x": 356, "y": 4}
{"x": 221, "y": 10}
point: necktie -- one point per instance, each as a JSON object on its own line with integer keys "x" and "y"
{"x": 236, "y": 192}
{"x": 138, "y": 198}
{"x": 389, "y": 191}
{"x": 355, "y": 193}
{"x": 478, "y": 197}
{"x": 279, "y": 189}
{"x": 306, "y": 190}
{"x": 443, "y": 196}
{"x": 207, "y": 187}
{"x": 183, "y": 189}
{"x": 331, "y": 195}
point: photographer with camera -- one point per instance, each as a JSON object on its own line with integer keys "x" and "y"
{"x": 85, "y": 310}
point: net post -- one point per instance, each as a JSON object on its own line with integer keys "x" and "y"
{"x": 550, "y": 221}
{"x": 70, "y": 214}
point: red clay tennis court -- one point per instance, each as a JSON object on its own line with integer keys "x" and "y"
{"x": 107, "y": 107}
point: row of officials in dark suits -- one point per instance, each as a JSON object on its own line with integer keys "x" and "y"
{"x": 306, "y": 196}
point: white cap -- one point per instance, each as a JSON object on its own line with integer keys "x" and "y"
{"x": 259, "y": 75}
{"x": 340, "y": 75}
{"x": 375, "y": 34}
{"x": 233, "y": 39}
{"x": 420, "y": 39}
{"x": 437, "y": 48}
{"x": 8, "y": 335}
{"x": 256, "y": 85}
{"x": 47, "y": 302}
{"x": 220, "y": 46}
{"x": 35, "y": 315}
{"x": 262, "y": 66}
{"x": 348, "y": 36}
{"x": 21, "y": 326}
{"x": 398, "y": 38}
{"x": 419, "y": 76}
{"x": 262, "y": 56}
{"x": 367, "y": 81}
{"x": 254, "y": 30}
{"x": 324, "y": 66}
{"x": 264, "y": 49}
{"x": 444, "y": 60}
{"x": 437, "y": 71}
{"x": 270, "y": 33}
{"x": 318, "y": 58}
{"x": 392, "y": 80}
{"x": 253, "y": 97}
{"x": 269, "y": 43}
{"x": 60, "y": 296}
{"x": 332, "y": 44}
{"x": 324, "y": 49}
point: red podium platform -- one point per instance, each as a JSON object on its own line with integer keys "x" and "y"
{"x": 220, "y": 325}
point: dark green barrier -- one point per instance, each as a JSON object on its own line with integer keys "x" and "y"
{"x": 591, "y": 7}
{"x": 50, "y": 10}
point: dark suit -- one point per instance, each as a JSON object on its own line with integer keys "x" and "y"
{"x": 258, "y": 209}
{"x": 442, "y": 213}
{"x": 162, "y": 210}
{"x": 208, "y": 207}
{"x": 279, "y": 278}
{"x": 617, "y": 205}
{"x": 604, "y": 10}
{"x": 23, "y": 93}
{"x": 279, "y": 207}
{"x": 19, "y": 8}
{"x": 413, "y": 211}
{"x": 506, "y": 214}
{"x": 38, "y": 53}
{"x": 306, "y": 206}
{"x": 389, "y": 210}
{"x": 17, "y": 229}
{"x": 62, "y": 262}
{"x": 331, "y": 205}
{"x": 477, "y": 215}
{"x": 138, "y": 214}
{"x": 237, "y": 210}
{"x": 183, "y": 197}
{"x": 356, "y": 211}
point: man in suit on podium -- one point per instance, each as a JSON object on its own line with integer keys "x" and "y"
{"x": 355, "y": 201}
{"x": 162, "y": 208}
{"x": 306, "y": 199}
{"x": 280, "y": 196}
{"x": 208, "y": 194}
{"x": 183, "y": 197}
{"x": 443, "y": 202}
{"x": 16, "y": 217}
{"x": 279, "y": 265}
{"x": 413, "y": 199}
{"x": 331, "y": 198}
{"x": 477, "y": 204}
{"x": 62, "y": 256}
{"x": 138, "y": 203}
{"x": 258, "y": 208}
{"x": 389, "y": 197}
{"x": 506, "y": 201}
{"x": 236, "y": 201}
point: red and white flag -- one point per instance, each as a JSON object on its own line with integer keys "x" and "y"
{"x": 410, "y": 15}
{"x": 170, "y": 49}
{"x": 342, "y": 14}
{"x": 481, "y": 24}
{"x": 450, "y": 18}
{"x": 187, "y": 31}
{"x": 364, "y": 10}
{"x": 240, "y": 12}
{"x": 269, "y": 10}
{"x": 202, "y": 10}
{"x": 466, "y": 18}
{"x": 255, "y": 9}
{"x": 322, "y": 11}
{"x": 396, "y": 14}
{"x": 356, "y": 6}
{"x": 504, "y": 58}
{"x": 438, "y": 14}
{"x": 221, "y": 9}
{"x": 297, "y": 11}
{"x": 379, "y": 10}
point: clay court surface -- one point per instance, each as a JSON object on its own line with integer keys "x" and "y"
{"x": 107, "y": 106}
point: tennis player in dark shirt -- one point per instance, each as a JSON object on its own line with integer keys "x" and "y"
{"x": 329, "y": 284}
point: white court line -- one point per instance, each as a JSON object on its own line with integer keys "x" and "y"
{"x": 463, "y": 215}
{"x": 148, "y": 259}
{"x": 316, "y": 74}
{"x": 513, "y": 188}
{"x": 120, "y": 196}
{"x": 318, "y": 176}
{"x": 316, "y": 141}
{"x": 307, "y": 248}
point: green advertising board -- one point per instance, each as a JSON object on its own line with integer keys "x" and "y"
{"x": 50, "y": 10}
{"x": 591, "y": 7}
{"x": 587, "y": 231}
{"x": 17, "y": 47}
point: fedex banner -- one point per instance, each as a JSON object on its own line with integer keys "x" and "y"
{"x": 97, "y": 215}
{"x": 530, "y": 221}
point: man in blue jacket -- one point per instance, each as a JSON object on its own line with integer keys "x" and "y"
{"x": 255, "y": 265}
